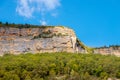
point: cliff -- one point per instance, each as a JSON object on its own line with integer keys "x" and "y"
{"x": 39, "y": 40}
{"x": 111, "y": 50}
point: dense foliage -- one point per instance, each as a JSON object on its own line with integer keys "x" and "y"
{"x": 59, "y": 66}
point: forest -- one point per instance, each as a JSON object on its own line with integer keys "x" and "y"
{"x": 59, "y": 66}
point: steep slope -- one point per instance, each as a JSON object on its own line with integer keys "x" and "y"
{"x": 38, "y": 40}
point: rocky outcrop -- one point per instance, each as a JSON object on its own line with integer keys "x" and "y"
{"x": 112, "y": 50}
{"x": 38, "y": 40}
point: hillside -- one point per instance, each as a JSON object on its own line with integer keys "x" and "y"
{"x": 64, "y": 62}
{"x": 23, "y": 38}
{"x": 16, "y": 39}
{"x": 59, "y": 66}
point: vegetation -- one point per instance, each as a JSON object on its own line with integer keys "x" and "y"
{"x": 59, "y": 66}
{"x": 48, "y": 35}
{"x": 110, "y": 46}
{"x": 6, "y": 24}
{"x": 89, "y": 49}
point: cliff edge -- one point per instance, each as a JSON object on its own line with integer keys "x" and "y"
{"x": 38, "y": 40}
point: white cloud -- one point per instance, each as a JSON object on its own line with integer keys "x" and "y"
{"x": 46, "y": 4}
{"x": 43, "y": 22}
{"x": 26, "y": 8}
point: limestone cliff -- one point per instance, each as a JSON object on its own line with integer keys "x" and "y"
{"x": 112, "y": 50}
{"x": 38, "y": 40}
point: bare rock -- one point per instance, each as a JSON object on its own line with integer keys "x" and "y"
{"x": 38, "y": 40}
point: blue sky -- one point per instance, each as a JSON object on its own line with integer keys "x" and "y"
{"x": 96, "y": 22}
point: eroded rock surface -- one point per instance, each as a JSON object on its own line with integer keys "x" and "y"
{"x": 38, "y": 40}
{"x": 108, "y": 51}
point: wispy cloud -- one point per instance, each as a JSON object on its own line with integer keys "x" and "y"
{"x": 43, "y": 22}
{"x": 27, "y": 8}
{"x": 24, "y": 9}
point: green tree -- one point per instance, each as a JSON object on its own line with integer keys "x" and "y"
{"x": 0, "y": 24}
{"x": 6, "y": 23}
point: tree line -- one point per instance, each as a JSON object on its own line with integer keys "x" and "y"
{"x": 110, "y": 46}
{"x": 26, "y": 25}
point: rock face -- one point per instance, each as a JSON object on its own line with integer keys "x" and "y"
{"x": 108, "y": 50}
{"x": 38, "y": 40}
